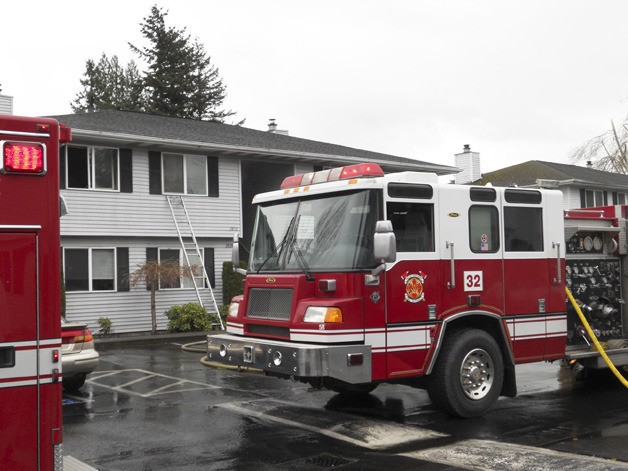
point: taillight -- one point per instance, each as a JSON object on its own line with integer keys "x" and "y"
{"x": 23, "y": 157}
{"x": 76, "y": 336}
{"x": 87, "y": 336}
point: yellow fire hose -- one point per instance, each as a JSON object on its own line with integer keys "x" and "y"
{"x": 595, "y": 340}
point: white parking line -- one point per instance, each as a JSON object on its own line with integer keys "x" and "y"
{"x": 369, "y": 434}
{"x": 488, "y": 455}
{"x": 96, "y": 379}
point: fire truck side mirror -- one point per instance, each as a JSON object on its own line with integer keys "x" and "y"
{"x": 385, "y": 245}
{"x": 235, "y": 255}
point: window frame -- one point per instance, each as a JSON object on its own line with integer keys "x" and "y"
{"x": 90, "y": 274}
{"x": 181, "y": 263}
{"x": 623, "y": 196}
{"x": 588, "y": 192}
{"x": 185, "y": 157}
{"x": 90, "y": 155}
{"x": 495, "y": 225}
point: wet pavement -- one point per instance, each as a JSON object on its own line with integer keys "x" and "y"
{"x": 152, "y": 406}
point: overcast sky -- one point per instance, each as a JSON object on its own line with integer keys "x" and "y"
{"x": 517, "y": 80}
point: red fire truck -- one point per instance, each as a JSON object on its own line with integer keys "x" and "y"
{"x": 357, "y": 278}
{"x": 30, "y": 277}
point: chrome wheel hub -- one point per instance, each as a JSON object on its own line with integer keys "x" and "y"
{"x": 476, "y": 374}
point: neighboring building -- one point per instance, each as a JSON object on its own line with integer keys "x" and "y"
{"x": 116, "y": 174}
{"x": 469, "y": 164}
{"x": 582, "y": 187}
{"x": 6, "y": 104}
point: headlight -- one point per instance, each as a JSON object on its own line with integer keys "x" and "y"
{"x": 320, "y": 314}
{"x": 233, "y": 309}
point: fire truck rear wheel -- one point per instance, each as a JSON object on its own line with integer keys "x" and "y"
{"x": 468, "y": 374}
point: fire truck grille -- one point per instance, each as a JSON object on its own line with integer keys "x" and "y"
{"x": 268, "y": 303}
{"x": 270, "y": 330}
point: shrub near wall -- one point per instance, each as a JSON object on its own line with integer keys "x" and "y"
{"x": 191, "y": 317}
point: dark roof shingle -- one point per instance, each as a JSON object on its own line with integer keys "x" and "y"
{"x": 163, "y": 127}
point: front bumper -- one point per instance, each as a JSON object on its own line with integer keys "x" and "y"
{"x": 349, "y": 363}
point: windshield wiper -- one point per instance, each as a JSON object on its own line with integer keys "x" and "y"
{"x": 279, "y": 246}
{"x": 292, "y": 244}
{"x": 301, "y": 259}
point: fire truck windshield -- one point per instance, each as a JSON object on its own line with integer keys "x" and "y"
{"x": 322, "y": 233}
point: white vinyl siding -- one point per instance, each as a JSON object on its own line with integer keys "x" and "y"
{"x": 141, "y": 214}
{"x": 130, "y": 311}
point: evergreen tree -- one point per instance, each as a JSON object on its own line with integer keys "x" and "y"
{"x": 108, "y": 85}
{"x": 180, "y": 79}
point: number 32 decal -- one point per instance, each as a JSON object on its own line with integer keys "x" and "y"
{"x": 473, "y": 281}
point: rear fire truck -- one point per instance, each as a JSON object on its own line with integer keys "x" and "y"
{"x": 357, "y": 278}
{"x": 30, "y": 277}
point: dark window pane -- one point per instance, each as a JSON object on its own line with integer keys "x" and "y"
{"x": 169, "y": 278}
{"x": 483, "y": 229}
{"x": 523, "y": 196}
{"x": 76, "y": 269}
{"x": 173, "y": 173}
{"x": 487, "y": 195}
{"x": 405, "y": 190}
{"x": 413, "y": 226}
{"x": 105, "y": 168}
{"x": 523, "y": 229}
{"x": 77, "y": 167}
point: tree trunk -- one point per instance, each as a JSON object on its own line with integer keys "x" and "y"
{"x": 153, "y": 310}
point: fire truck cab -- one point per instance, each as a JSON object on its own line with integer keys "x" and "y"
{"x": 30, "y": 294}
{"x": 357, "y": 278}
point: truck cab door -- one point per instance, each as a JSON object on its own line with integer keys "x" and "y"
{"x": 412, "y": 282}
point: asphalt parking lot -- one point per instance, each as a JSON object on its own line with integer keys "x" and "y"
{"x": 152, "y": 406}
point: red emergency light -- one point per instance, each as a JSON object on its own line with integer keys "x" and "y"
{"x": 334, "y": 174}
{"x": 23, "y": 157}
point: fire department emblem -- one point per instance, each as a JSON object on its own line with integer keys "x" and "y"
{"x": 414, "y": 286}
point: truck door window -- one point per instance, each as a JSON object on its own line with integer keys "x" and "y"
{"x": 483, "y": 229}
{"x": 413, "y": 225}
{"x": 523, "y": 229}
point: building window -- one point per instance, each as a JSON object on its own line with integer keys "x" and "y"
{"x": 89, "y": 269}
{"x": 622, "y": 198}
{"x": 184, "y": 174}
{"x": 483, "y": 229}
{"x": 413, "y": 225}
{"x": 181, "y": 279}
{"x": 593, "y": 198}
{"x": 93, "y": 168}
{"x": 523, "y": 229}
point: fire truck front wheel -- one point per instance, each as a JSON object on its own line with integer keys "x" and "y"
{"x": 468, "y": 374}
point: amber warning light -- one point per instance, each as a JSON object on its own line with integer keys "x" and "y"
{"x": 23, "y": 157}
{"x": 333, "y": 174}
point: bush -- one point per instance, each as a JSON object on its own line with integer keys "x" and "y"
{"x": 191, "y": 317}
{"x": 231, "y": 282}
{"x": 105, "y": 325}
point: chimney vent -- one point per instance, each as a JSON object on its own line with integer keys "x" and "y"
{"x": 469, "y": 164}
{"x": 589, "y": 164}
{"x": 272, "y": 126}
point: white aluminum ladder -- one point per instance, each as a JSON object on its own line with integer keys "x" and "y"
{"x": 190, "y": 247}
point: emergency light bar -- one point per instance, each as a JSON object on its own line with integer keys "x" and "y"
{"x": 23, "y": 157}
{"x": 333, "y": 174}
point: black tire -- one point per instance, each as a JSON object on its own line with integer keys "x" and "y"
{"x": 468, "y": 375}
{"x": 74, "y": 382}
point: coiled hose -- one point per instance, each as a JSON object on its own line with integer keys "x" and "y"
{"x": 595, "y": 340}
